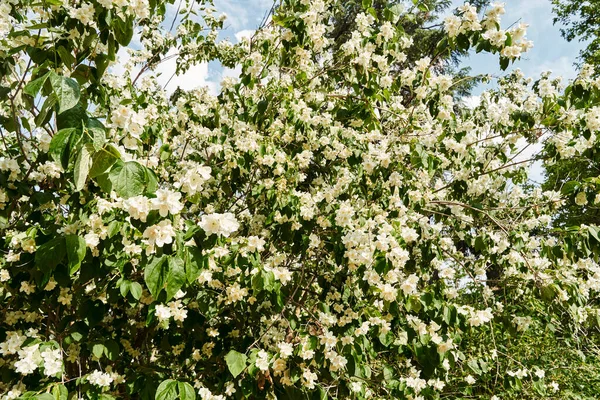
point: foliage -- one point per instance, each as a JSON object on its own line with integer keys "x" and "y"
{"x": 320, "y": 228}
{"x": 422, "y": 23}
{"x": 580, "y": 21}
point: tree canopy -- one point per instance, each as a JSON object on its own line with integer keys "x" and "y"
{"x": 580, "y": 22}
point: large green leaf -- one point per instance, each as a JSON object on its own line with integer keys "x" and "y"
{"x": 111, "y": 349}
{"x": 195, "y": 262}
{"x": 129, "y": 179}
{"x": 236, "y": 362}
{"x": 60, "y": 392}
{"x": 50, "y": 254}
{"x": 97, "y": 132}
{"x": 103, "y": 160}
{"x": 123, "y": 30}
{"x": 98, "y": 350}
{"x": 186, "y": 391}
{"x": 75, "y": 252}
{"x": 167, "y": 390}
{"x": 66, "y": 91}
{"x": 175, "y": 277}
{"x": 33, "y": 87}
{"x": 82, "y": 166}
{"x": 136, "y": 290}
{"x": 155, "y": 275}
{"x": 59, "y": 146}
{"x": 75, "y": 117}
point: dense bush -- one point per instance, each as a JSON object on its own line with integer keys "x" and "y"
{"x": 330, "y": 225}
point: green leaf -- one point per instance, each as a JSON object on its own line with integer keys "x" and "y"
{"x": 155, "y": 275}
{"x": 76, "y": 250}
{"x": 97, "y": 131}
{"x": 98, "y": 350}
{"x": 570, "y": 187}
{"x": 123, "y": 30}
{"x": 124, "y": 287}
{"x": 111, "y": 350}
{"x": 195, "y": 262}
{"x": 66, "y": 91}
{"x": 103, "y": 160}
{"x": 44, "y": 396}
{"x": 136, "y": 290}
{"x": 60, "y": 392}
{"x": 33, "y": 87}
{"x": 264, "y": 280}
{"x": 474, "y": 366}
{"x": 66, "y": 57}
{"x": 45, "y": 115}
{"x": 236, "y": 362}
{"x": 167, "y": 390}
{"x": 262, "y": 106}
{"x": 75, "y": 117}
{"x": 128, "y": 179}
{"x": 594, "y": 232}
{"x": 59, "y": 146}
{"x": 50, "y": 254}
{"x": 386, "y": 338}
{"x": 82, "y": 166}
{"x": 186, "y": 391}
{"x": 176, "y": 276}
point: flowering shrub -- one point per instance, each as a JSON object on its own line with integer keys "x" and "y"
{"x": 332, "y": 224}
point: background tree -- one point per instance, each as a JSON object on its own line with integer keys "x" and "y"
{"x": 422, "y": 22}
{"x": 573, "y": 175}
{"x": 581, "y": 21}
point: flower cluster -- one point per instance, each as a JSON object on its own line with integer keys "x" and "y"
{"x": 335, "y": 223}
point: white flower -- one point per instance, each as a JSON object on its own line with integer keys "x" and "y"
{"x": 137, "y": 207}
{"x": 236, "y": 293}
{"x": 581, "y": 199}
{"x": 167, "y": 202}
{"x": 388, "y": 292}
{"x": 29, "y": 359}
{"x": 470, "y": 380}
{"x": 52, "y": 361}
{"x": 262, "y": 360}
{"x": 285, "y": 349}
{"x": 409, "y": 286}
{"x": 91, "y": 240}
{"x": 192, "y": 181}
{"x": 540, "y": 373}
{"x": 308, "y": 379}
{"x": 160, "y": 234}
{"x": 219, "y": 224}
{"x": 480, "y": 317}
{"x": 163, "y": 312}
{"x": 4, "y": 275}
{"x": 100, "y": 378}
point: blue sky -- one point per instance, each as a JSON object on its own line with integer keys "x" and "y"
{"x": 550, "y": 51}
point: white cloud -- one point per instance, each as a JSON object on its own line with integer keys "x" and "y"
{"x": 561, "y": 66}
{"x": 231, "y": 73}
{"x": 471, "y": 101}
{"x": 246, "y": 33}
{"x": 193, "y": 78}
